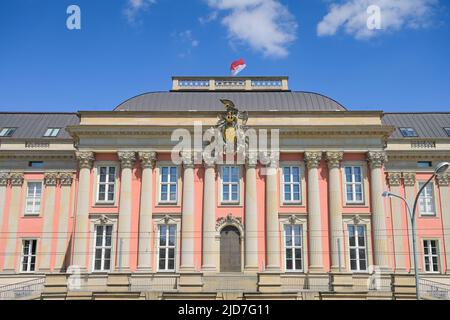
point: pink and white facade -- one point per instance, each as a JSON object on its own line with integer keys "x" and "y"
{"x": 105, "y": 199}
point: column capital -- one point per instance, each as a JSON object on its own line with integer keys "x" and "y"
{"x": 127, "y": 158}
{"x": 270, "y": 159}
{"x": 209, "y": 160}
{"x": 4, "y": 178}
{"x": 394, "y": 178}
{"x": 65, "y": 178}
{"x": 334, "y": 159}
{"x": 187, "y": 158}
{"x": 148, "y": 159}
{"x": 16, "y": 178}
{"x": 377, "y": 158}
{"x": 85, "y": 159}
{"x": 313, "y": 158}
{"x": 50, "y": 178}
{"x": 409, "y": 178}
{"x": 251, "y": 159}
{"x": 443, "y": 179}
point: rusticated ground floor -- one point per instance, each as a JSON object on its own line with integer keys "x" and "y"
{"x": 224, "y": 286}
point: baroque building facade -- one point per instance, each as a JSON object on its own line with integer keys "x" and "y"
{"x": 92, "y": 204}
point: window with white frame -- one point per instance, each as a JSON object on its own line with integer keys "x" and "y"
{"x": 230, "y": 184}
{"x": 357, "y": 247}
{"x": 426, "y": 200}
{"x": 33, "y": 201}
{"x": 353, "y": 184}
{"x": 168, "y": 184}
{"x": 291, "y": 184}
{"x": 106, "y": 188}
{"x": 293, "y": 247}
{"x": 166, "y": 247}
{"x": 103, "y": 247}
{"x": 430, "y": 254}
{"x": 28, "y": 261}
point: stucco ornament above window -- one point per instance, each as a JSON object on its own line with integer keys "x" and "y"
{"x": 229, "y": 220}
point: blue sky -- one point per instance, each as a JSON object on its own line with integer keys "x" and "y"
{"x": 127, "y": 47}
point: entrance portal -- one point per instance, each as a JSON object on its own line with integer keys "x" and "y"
{"x": 230, "y": 250}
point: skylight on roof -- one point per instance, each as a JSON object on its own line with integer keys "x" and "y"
{"x": 52, "y": 132}
{"x": 448, "y": 131}
{"x": 7, "y": 132}
{"x": 408, "y": 132}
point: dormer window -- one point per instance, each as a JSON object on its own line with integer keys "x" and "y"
{"x": 7, "y": 132}
{"x": 408, "y": 132}
{"x": 52, "y": 132}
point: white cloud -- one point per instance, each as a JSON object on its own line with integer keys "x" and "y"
{"x": 210, "y": 17}
{"x": 266, "y": 25}
{"x": 186, "y": 39}
{"x": 134, "y": 7}
{"x": 351, "y": 16}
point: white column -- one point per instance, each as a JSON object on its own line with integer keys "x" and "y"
{"x": 80, "y": 247}
{"x": 46, "y": 253}
{"x": 335, "y": 210}
{"x": 209, "y": 224}
{"x": 272, "y": 224}
{"x": 187, "y": 218}
{"x": 65, "y": 180}
{"x": 3, "y": 183}
{"x": 380, "y": 246}
{"x": 145, "y": 214}
{"x": 11, "y": 255}
{"x": 312, "y": 160}
{"x": 394, "y": 179}
{"x": 127, "y": 159}
{"x": 251, "y": 214}
{"x": 444, "y": 192}
{"x": 409, "y": 180}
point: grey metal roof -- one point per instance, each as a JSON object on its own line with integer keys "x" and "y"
{"x": 427, "y": 125}
{"x": 250, "y": 101}
{"x": 34, "y": 125}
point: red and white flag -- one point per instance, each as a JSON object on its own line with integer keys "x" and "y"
{"x": 237, "y": 66}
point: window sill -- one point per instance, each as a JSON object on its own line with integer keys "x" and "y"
{"x": 356, "y": 205}
{"x": 168, "y": 204}
{"x": 428, "y": 216}
{"x": 230, "y": 205}
{"x": 292, "y": 204}
{"x": 105, "y": 205}
{"x": 31, "y": 216}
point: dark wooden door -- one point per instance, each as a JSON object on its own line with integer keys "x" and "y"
{"x": 230, "y": 250}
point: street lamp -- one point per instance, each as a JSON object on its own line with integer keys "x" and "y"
{"x": 441, "y": 168}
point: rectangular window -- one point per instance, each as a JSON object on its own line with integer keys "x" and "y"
{"x": 408, "y": 132}
{"x": 230, "y": 184}
{"x": 166, "y": 247}
{"x": 430, "y": 256}
{"x": 7, "y": 132}
{"x": 291, "y": 185}
{"x": 293, "y": 247}
{"x": 52, "y": 132}
{"x": 426, "y": 200}
{"x": 169, "y": 179}
{"x": 103, "y": 247}
{"x": 33, "y": 201}
{"x": 35, "y": 164}
{"x": 424, "y": 164}
{"x": 354, "y": 184}
{"x": 357, "y": 247}
{"x": 106, "y": 184}
{"x": 28, "y": 261}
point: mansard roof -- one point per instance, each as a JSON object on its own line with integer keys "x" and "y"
{"x": 34, "y": 125}
{"x": 249, "y": 101}
{"x": 426, "y": 125}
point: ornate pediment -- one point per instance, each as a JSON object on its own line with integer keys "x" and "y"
{"x": 229, "y": 220}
